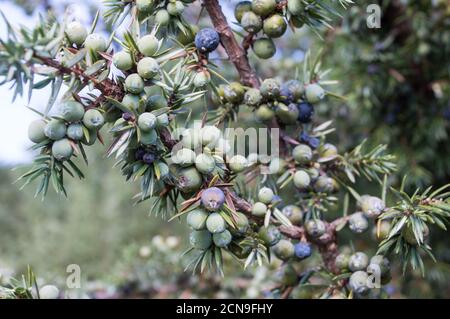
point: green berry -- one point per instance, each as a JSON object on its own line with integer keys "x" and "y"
{"x": 188, "y": 36}
{"x": 200, "y": 239}
{"x": 382, "y": 262}
{"x": 341, "y": 261}
{"x": 55, "y": 129}
{"x": 372, "y": 206}
{"x": 328, "y": 150}
{"x": 358, "y": 223}
{"x": 62, "y": 150}
{"x": 264, "y": 7}
{"x": 295, "y": 7}
{"x": 162, "y": 17}
{"x": 189, "y": 180}
{"x": 192, "y": 138}
{"x": 295, "y": 89}
{"x": 215, "y": 223}
{"x": 275, "y": 26}
{"x": 241, "y": 8}
{"x": 314, "y": 93}
{"x": 252, "y": 97}
{"x": 277, "y": 165}
{"x": 293, "y": 213}
{"x": 131, "y": 101}
{"x": 238, "y": 163}
{"x": 301, "y": 179}
{"x": 251, "y": 22}
{"x": 134, "y": 83}
{"x": 36, "y": 131}
{"x": 287, "y": 114}
{"x": 96, "y": 43}
{"x": 155, "y": 102}
{"x": 93, "y": 119}
{"x": 71, "y": 111}
{"x": 205, "y": 163}
{"x": 75, "y": 132}
{"x": 241, "y": 223}
{"x": 358, "y": 282}
{"x": 210, "y": 135}
{"x": 315, "y": 227}
{"x": 302, "y": 154}
{"x": 234, "y": 92}
{"x": 270, "y": 235}
{"x": 148, "y": 68}
{"x": 222, "y": 239}
{"x": 265, "y": 195}
{"x": 270, "y": 88}
{"x": 264, "y": 48}
{"x": 284, "y": 249}
{"x": 148, "y": 45}
{"x": 201, "y": 79}
{"x": 324, "y": 184}
{"x": 123, "y": 61}
{"x": 264, "y": 113}
{"x": 149, "y": 138}
{"x": 175, "y": 8}
{"x": 259, "y": 209}
{"x": 48, "y": 292}
{"x": 358, "y": 261}
{"x": 76, "y": 33}
{"x": 146, "y": 121}
{"x": 144, "y": 5}
{"x": 196, "y": 219}
{"x": 409, "y": 236}
{"x": 184, "y": 157}
{"x": 162, "y": 120}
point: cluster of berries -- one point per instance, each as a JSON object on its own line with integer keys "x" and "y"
{"x": 72, "y": 125}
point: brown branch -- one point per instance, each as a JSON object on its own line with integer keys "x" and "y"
{"x": 235, "y": 52}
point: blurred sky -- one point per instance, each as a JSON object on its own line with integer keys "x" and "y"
{"x": 15, "y": 117}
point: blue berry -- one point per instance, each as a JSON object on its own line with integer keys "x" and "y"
{"x": 302, "y": 250}
{"x": 286, "y": 95}
{"x": 313, "y": 142}
{"x": 140, "y": 154}
{"x": 207, "y": 40}
{"x": 213, "y": 198}
{"x": 127, "y": 116}
{"x": 148, "y": 158}
{"x": 306, "y": 112}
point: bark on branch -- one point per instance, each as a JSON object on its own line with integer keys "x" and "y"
{"x": 235, "y": 52}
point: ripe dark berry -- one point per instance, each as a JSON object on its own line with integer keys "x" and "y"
{"x": 213, "y": 198}
{"x": 313, "y": 142}
{"x": 306, "y": 112}
{"x": 207, "y": 40}
{"x": 302, "y": 250}
{"x": 127, "y": 116}
{"x": 140, "y": 154}
{"x": 148, "y": 158}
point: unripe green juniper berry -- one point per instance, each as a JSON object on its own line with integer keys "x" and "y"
{"x": 215, "y": 223}
{"x": 287, "y": 114}
{"x": 212, "y": 198}
{"x": 264, "y": 48}
{"x": 156, "y": 102}
{"x": 36, "y": 131}
{"x": 341, "y": 261}
{"x": 148, "y": 45}
{"x": 162, "y": 17}
{"x": 55, "y": 129}
{"x": 372, "y": 206}
{"x": 234, "y": 92}
{"x": 196, "y": 219}
{"x": 191, "y": 138}
{"x": 238, "y": 163}
{"x": 184, "y": 157}
{"x": 188, "y": 37}
{"x": 382, "y": 262}
{"x": 259, "y": 209}
{"x": 302, "y": 154}
{"x": 263, "y": 7}
{"x": 358, "y": 282}
{"x": 358, "y": 223}
{"x": 265, "y": 195}
{"x": 284, "y": 249}
{"x": 189, "y": 180}
{"x": 76, "y": 33}
{"x": 210, "y": 135}
{"x": 303, "y": 250}
{"x": 148, "y": 68}
{"x": 75, "y": 132}
{"x": 264, "y": 113}
{"x": 131, "y": 101}
{"x": 241, "y": 223}
{"x": 175, "y": 8}
{"x": 314, "y": 93}
{"x": 200, "y": 239}
{"x": 270, "y": 88}
{"x": 149, "y": 138}
{"x": 301, "y": 179}
{"x": 205, "y": 163}
{"x": 324, "y": 184}
{"x": 315, "y": 227}
{"x": 134, "y": 83}
{"x": 241, "y": 8}
{"x": 201, "y": 79}
{"x": 207, "y": 40}
{"x": 277, "y": 166}
{"x": 293, "y": 213}
{"x": 251, "y": 22}
{"x": 270, "y": 235}
{"x": 358, "y": 261}
{"x": 71, "y": 111}
{"x": 144, "y": 5}
{"x": 93, "y": 119}
{"x": 409, "y": 236}
{"x": 48, "y": 292}
{"x": 62, "y": 150}
{"x": 146, "y": 121}
{"x": 162, "y": 120}
{"x": 328, "y": 150}
{"x": 123, "y": 60}
{"x": 383, "y": 232}
{"x": 306, "y": 111}
{"x": 95, "y": 42}
{"x": 275, "y": 26}
{"x": 252, "y": 97}
{"x": 222, "y": 239}
{"x": 295, "y": 7}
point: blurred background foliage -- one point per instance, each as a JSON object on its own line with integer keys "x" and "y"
{"x": 396, "y": 81}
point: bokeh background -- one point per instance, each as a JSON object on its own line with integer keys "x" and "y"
{"x": 396, "y": 80}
